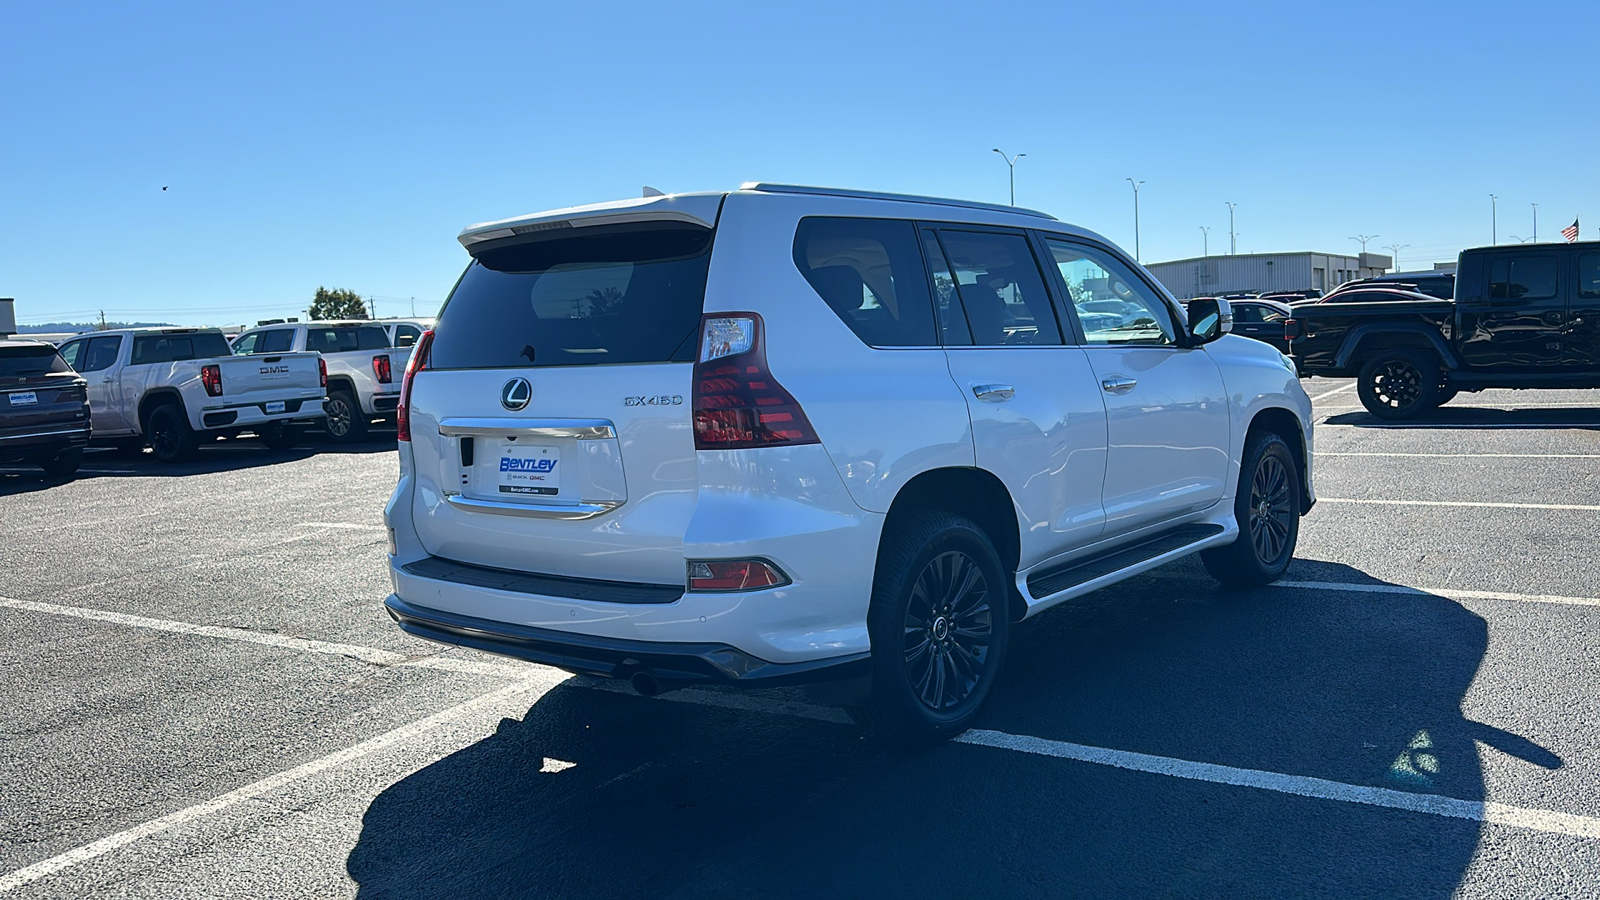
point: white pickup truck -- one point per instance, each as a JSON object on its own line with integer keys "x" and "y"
{"x": 363, "y": 368}
{"x": 173, "y": 386}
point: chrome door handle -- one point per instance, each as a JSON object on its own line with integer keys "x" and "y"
{"x": 993, "y": 391}
{"x": 1118, "y": 384}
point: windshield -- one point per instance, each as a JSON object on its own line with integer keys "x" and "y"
{"x": 25, "y": 362}
{"x": 619, "y": 295}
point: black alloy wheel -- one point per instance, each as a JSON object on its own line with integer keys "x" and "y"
{"x": 1271, "y": 509}
{"x": 171, "y": 438}
{"x": 1397, "y": 385}
{"x": 949, "y": 624}
{"x": 1267, "y": 508}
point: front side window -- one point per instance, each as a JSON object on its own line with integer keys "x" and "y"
{"x": 278, "y": 340}
{"x": 1523, "y": 279}
{"x": 870, "y": 274}
{"x": 71, "y": 351}
{"x": 101, "y": 353}
{"x": 1001, "y": 290}
{"x": 406, "y": 335}
{"x": 1247, "y": 313}
{"x": 246, "y": 343}
{"x": 1114, "y": 306}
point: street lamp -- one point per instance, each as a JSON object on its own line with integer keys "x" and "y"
{"x": 1233, "y": 238}
{"x": 1011, "y": 163}
{"x": 1395, "y": 249}
{"x": 1135, "y": 218}
{"x": 1363, "y": 238}
{"x": 1205, "y": 239}
{"x": 1494, "y": 219}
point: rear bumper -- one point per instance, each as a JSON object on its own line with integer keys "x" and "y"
{"x": 45, "y": 441}
{"x": 244, "y": 415}
{"x": 669, "y": 663}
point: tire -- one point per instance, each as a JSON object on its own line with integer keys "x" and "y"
{"x": 345, "y": 422}
{"x": 1267, "y": 508}
{"x": 939, "y": 627}
{"x": 64, "y": 464}
{"x": 171, "y": 438}
{"x": 280, "y": 436}
{"x": 1399, "y": 384}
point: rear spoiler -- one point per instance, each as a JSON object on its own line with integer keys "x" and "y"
{"x": 690, "y": 209}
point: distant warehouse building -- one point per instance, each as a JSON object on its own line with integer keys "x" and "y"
{"x": 1210, "y": 276}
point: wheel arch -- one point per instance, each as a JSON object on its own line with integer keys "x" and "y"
{"x": 1286, "y": 425}
{"x": 343, "y": 383}
{"x": 1364, "y": 341}
{"x": 154, "y": 399}
{"x": 976, "y": 494}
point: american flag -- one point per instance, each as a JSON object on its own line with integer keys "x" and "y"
{"x": 1571, "y": 232}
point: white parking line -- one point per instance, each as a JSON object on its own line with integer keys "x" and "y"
{"x": 1461, "y": 504}
{"x": 1464, "y": 426}
{"x": 370, "y": 655}
{"x": 1348, "y": 387}
{"x": 1470, "y": 455}
{"x": 1448, "y": 593}
{"x": 535, "y": 682}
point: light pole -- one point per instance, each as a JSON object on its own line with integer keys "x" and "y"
{"x": 1395, "y": 249}
{"x": 1494, "y": 219}
{"x": 1011, "y": 163}
{"x": 1135, "y": 218}
{"x": 1205, "y": 239}
{"x": 1536, "y": 223}
{"x": 1233, "y": 238}
{"x": 1363, "y": 238}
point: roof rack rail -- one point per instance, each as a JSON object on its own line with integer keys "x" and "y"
{"x": 766, "y": 187}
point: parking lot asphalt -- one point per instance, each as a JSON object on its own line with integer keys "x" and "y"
{"x": 206, "y": 699}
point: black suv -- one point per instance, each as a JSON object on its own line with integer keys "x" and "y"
{"x": 1524, "y": 317}
{"x": 44, "y": 408}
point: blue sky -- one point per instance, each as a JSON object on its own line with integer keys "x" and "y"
{"x": 346, "y": 144}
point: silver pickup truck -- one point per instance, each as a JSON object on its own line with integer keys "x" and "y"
{"x": 364, "y": 370}
{"x": 171, "y": 387}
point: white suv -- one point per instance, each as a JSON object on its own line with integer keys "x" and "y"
{"x": 787, "y": 434}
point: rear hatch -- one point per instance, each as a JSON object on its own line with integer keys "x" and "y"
{"x": 39, "y": 392}
{"x": 551, "y": 427}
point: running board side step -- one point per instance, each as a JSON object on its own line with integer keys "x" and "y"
{"x": 1048, "y": 587}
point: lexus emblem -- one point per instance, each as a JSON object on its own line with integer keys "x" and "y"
{"x": 516, "y": 394}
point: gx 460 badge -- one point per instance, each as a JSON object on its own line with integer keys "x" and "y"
{"x": 658, "y": 400}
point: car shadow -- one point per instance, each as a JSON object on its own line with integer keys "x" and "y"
{"x": 226, "y": 455}
{"x": 600, "y": 794}
{"x": 1479, "y": 417}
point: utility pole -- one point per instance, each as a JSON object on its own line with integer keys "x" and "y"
{"x": 1536, "y": 223}
{"x": 1233, "y": 237}
{"x": 1494, "y": 219}
{"x": 102, "y": 320}
{"x": 1205, "y": 239}
{"x": 1395, "y": 249}
{"x": 1135, "y": 218}
{"x": 1363, "y": 238}
{"x": 373, "y": 305}
{"x": 1011, "y": 163}
{"x": 413, "y": 307}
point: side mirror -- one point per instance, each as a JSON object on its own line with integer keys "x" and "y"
{"x": 1209, "y": 319}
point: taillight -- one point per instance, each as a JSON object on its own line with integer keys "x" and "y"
{"x": 211, "y": 377}
{"x": 322, "y": 370}
{"x": 418, "y": 362}
{"x": 737, "y": 403}
{"x": 380, "y": 368}
{"x": 734, "y": 575}
{"x": 1291, "y": 329}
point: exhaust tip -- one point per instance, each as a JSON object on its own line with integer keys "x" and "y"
{"x": 645, "y": 684}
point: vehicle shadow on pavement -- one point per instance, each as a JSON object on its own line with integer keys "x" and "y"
{"x": 599, "y": 794}
{"x": 221, "y": 456}
{"x": 1478, "y": 417}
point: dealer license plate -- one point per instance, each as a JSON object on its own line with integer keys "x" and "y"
{"x": 274, "y": 406}
{"x": 530, "y": 471}
{"x": 24, "y": 398}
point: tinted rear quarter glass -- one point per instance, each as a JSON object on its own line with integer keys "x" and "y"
{"x": 22, "y": 362}
{"x": 870, "y": 273}
{"x": 614, "y": 295}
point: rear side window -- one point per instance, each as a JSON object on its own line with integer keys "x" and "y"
{"x": 22, "y": 362}
{"x": 279, "y": 340}
{"x": 1589, "y": 275}
{"x": 624, "y": 294}
{"x": 1001, "y": 290}
{"x": 1523, "y": 279}
{"x": 70, "y": 352}
{"x": 870, "y": 273}
{"x": 329, "y": 339}
{"x": 165, "y": 348}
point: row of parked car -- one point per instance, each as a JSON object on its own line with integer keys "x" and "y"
{"x": 173, "y": 388}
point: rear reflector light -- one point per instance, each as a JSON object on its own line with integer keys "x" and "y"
{"x": 322, "y": 370}
{"x": 211, "y": 377}
{"x": 738, "y": 405}
{"x": 418, "y": 362}
{"x": 734, "y": 575}
{"x": 380, "y": 368}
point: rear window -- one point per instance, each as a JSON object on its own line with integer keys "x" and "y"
{"x": 629, "y": 294}
{"x": 164, "y": 348}
{"x": 22, "y": 362}
{"x": 1523, "y": 279}
{"x": 330, "y": 339}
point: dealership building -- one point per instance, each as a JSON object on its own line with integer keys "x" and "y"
{"x": 1209, "y": 276}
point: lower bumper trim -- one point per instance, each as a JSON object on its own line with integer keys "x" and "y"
{"x": 617, "y": 657}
